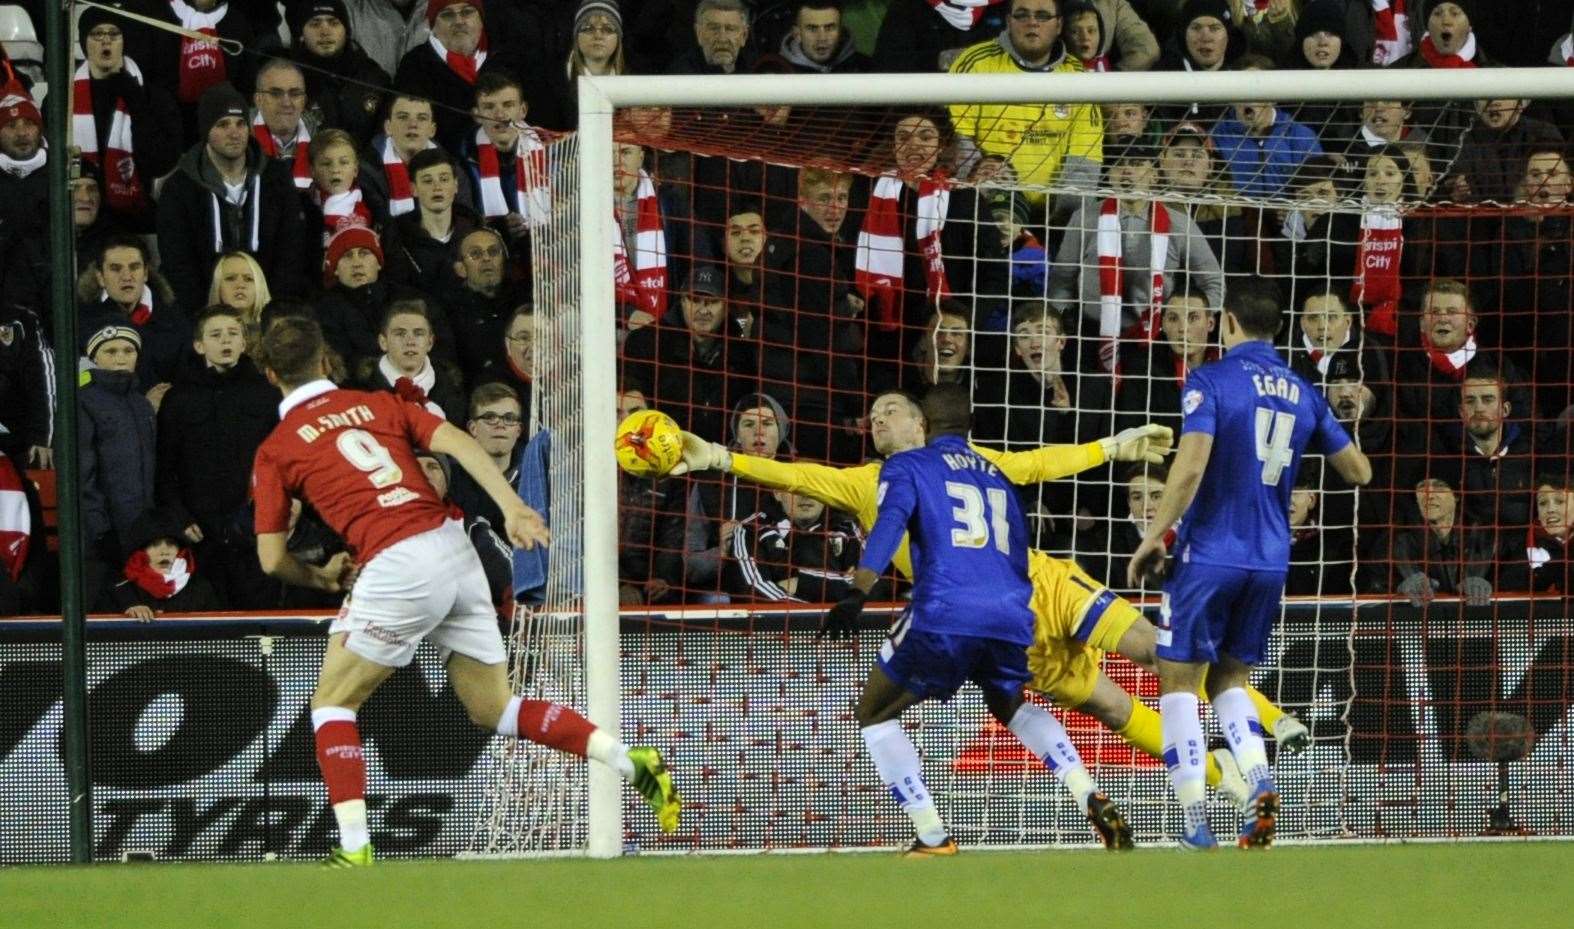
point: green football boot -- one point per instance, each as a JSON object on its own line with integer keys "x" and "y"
{"x": 654, "y": 783}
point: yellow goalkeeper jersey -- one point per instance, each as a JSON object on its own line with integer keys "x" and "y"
{"x": 1039, "y": 140}
{"x": 852, "y": 490}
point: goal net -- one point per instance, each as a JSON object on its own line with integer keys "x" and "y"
{"x": 761, "y": 271}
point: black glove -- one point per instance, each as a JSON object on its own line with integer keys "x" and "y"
{"x": 842, "y": 619}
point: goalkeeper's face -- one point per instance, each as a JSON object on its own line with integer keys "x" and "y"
{"x": 895, "y": 424}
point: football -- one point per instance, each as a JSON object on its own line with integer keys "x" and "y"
{"x": 648, "y": 444}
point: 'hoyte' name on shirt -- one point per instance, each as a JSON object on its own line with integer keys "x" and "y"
{"x": 969, "y": 463}
{"x": 354, "y": 416}
{"x": 1281, "y": 387}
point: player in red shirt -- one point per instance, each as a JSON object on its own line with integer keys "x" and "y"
{"x": 350, "y": 454}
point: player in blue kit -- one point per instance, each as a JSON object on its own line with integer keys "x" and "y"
{"x": 1248, "y": 418}
{"x": 970, "y": 618}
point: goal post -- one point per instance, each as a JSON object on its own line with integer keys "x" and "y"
{"x": 583, "y": 315}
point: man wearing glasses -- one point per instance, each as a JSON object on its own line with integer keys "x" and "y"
{"x": 1056, "y": 143}
{"x": 278, "y": 124}
{"x": 497, "y": 423}
{"x": 483, "y": 299}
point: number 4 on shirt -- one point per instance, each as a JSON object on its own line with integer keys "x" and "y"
{"x": 1275, "y": 429}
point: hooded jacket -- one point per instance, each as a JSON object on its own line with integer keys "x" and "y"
{"x": 845, "y": 60}
{"x": 116, "y": 454}
{"x": 197, "y": 223}
{"x": 198, "y": 596}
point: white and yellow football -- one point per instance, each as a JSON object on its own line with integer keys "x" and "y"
{"x": 648, "y": 444}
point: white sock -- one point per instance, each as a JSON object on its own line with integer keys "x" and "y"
{"x": 610, "y": 751}
{"x": 1185, "y": 753}
{"x": 900, "y": 769}
{"x": 354, "y": 834}
{"x": 1048, "y": 740}
{"x": 1243, "y": 730}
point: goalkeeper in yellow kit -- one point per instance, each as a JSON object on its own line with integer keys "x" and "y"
{"x": 1077, "y": 618}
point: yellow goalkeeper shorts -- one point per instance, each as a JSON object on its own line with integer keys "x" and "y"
{"x": 1076, "y": 620}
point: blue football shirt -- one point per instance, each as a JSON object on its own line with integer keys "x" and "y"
{"x": 967, "y": 538}
{"x": 1262, "y": 417}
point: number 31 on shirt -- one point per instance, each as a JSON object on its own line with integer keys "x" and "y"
{"x": 972, "y": 531}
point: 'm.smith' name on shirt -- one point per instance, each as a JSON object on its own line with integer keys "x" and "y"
{"x": 354, "y": 416}
{"x": 969, "y": 463}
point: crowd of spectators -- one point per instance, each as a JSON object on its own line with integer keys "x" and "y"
{"x": 378, "y": 165}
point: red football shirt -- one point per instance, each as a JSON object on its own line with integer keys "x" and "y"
{"x": 350, "y": 454}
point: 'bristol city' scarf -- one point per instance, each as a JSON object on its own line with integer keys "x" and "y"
{"x": 1392, "y": 26}
{"x": 645, "y": 285}
{"x": 201, "y": 63}
{"x": 530, "y": 177}
{"x": 1377, "y": 286}
{"x": 158, "y": 584}
{"x": 1112, "y": 278}
{"x": 301, "y": 167}
{"x": 1466, "y": 58}
{"x": 122, "y": 185}
{"x": 882, "y": 248}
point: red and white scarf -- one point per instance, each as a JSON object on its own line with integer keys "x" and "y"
{"x": 340, "y": 210}
{"x": 201, "y": 63}
{"x": 1392, "y": 25}
{"x": 466, "y": 68}
{"x": 1566, "y": 50}
{"x": 645, "y": 285}
{"x": 962, "y": 14}
{"x": 530, "y": 177}
{"x": 1319, "y": 357}
{"x": 123, "y": 188}
{"x": 140, "y": 313}
{"x": 1096, "y": 63}
{"x": 882, "y": 246}
{"x": 1112, "y": 285}
{"x": 400, "y": 198}
{"x": 415, "y": 388}
{"x": 1465, "y": 58}
{"x": 1450, "y": 363}
{"x": 301, "y": 169}
{"x": 160, "y": 585}
{"x": 1377, "y": 287}
{"x": 16, "y": 522}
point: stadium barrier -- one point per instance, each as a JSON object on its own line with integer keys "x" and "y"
{"x": 203, "y": 751}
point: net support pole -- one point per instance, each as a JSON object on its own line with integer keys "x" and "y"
{"x": 57, "y": 122}
{"x": 598, "y": 382}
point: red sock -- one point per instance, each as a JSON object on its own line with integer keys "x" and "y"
{"x": 550, "y": 724}
{"x": 339, "y": 754}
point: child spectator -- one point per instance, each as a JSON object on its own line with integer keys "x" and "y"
{"x": 1320, "y": 550}
{"x": 1104, "y": 552}
{"x": 406, "y": 366}
{"x": 239, "y": 284}
{"x": 1153, "y": 373}
{"x": 1549, "y": 557}
{"x": 420, "y": 244}
{"x": 334, "y": 199}
{"x": 209, "y": 428}
{"x": 115, "y": 451}
{"x": 160, "y": 573}
{"x": 808, "y": 555}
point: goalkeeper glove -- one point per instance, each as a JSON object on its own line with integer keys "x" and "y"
{"x": 1148, "y": 443}
{"x": 701, "y": 455}
{"x": 841, "y": 621}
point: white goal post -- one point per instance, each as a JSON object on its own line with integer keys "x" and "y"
{"x": 599, "y": 97}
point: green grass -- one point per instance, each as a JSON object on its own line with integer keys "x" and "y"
{"x": 1518, "y": 885}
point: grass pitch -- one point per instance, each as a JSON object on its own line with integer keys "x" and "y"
{"x": 1522, "y": 885}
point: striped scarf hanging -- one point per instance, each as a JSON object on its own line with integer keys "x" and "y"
{"x": 400, "y": 198}
{"x": 882, "y": 246}
{"x": 645, "y": 285}
{"x": 530, "y": 178}
{"x": 123, "y": 188}
{"x": 1377, "y": 287}
{"x": 1112, "y": 284}
{"x": 962, "y": 14}
{"x": 301, "y": 167}
{"x": 201, "y": 63}
{"x": 1392, "y": 26}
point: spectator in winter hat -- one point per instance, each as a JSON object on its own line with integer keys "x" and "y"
{"x": 597, "y": 48}
{"x": 352, "y": 306}
{"x": 160, "y": 573}
{"x": 24, "y": 184}
{"x": 341, "y": 78}
{"x": 223, "y": 196}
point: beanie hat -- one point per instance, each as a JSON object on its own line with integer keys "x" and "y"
{"x": 16, "y": 103}
{"x": 302, "y": 12}
{"x": 754, "y": 402}
{"x": 1320, "y": 16}
{"x": 217, "y": 102}
{"x": 93, "y": 17}
{"x": 433, "y": 7}
{"x": 1218, "y": 9}
{"x": 609, "y": 7}
{"x": 348, "y": 237}
{"x": 98, "y": 338}
{"x": 1466, "y": 5}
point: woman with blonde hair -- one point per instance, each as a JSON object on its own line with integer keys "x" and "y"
{"x": 597, "y": 49}
{"x": 238, "y": 283}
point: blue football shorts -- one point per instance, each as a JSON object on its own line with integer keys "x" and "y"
{"x": 934, "y": 666}
{"x": 1209, "y": 610}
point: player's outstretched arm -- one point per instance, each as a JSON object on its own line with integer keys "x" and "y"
{"x": 524, "y": 526}
{"x": 848, "y": 489}
{"x": 1179, "y": 490}
{"x": 1352, "y": 464}
{"x": 274, "y": 554}
{"x": 1149, "y": 443}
